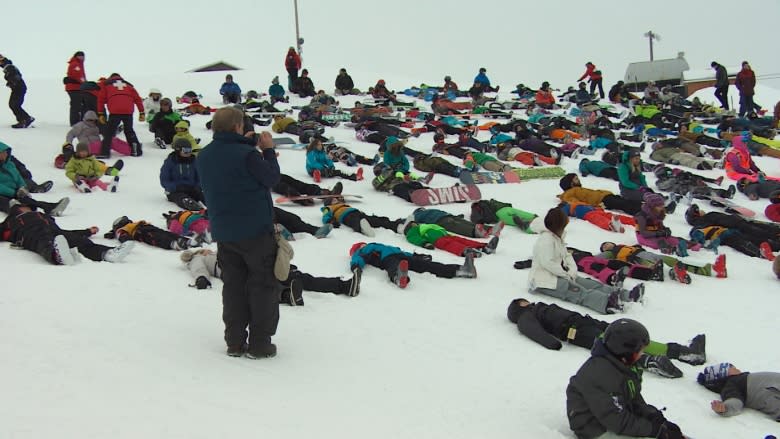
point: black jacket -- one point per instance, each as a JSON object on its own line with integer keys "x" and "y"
{"x": 547, "y": 324}
{"x": 13, "y": 77}
{"x": 721, "y": 77}
{"x": 304, "y": 87}
{"x": 344, "y": 82}
{"x": 606, "y": 395}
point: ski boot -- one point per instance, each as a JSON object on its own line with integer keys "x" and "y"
{"x": 766, "y": 251}
{"x": 401, "y": 277}
{"x": 682, "y": 248}
{"x": 693, "y": 354}
{"x": 660, "y": 365}
{"x": 680, "y": 273}
{"x": 720, "y": 266}
{"x": 658, "y": 271}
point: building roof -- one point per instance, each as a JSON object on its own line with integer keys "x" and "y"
{"x": 218, "y": 66}
{"x": 657, "y": 70}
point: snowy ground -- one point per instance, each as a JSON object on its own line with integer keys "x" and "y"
{"x": 129, "y": 351}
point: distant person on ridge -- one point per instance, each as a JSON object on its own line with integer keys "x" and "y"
{"x": 14, "y": 81}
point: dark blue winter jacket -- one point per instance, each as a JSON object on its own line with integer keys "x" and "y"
{"x": 178, "y": 171}
{"x": 236, "y": 179}
{"x": 482, "y": 79}
{"x": 373, "y": 253}
{"x": 229, "y": 88}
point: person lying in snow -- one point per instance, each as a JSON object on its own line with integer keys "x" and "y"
{"x": 318, "y": 165}
{"x": 204, "y": 264}
{"x": 124, "y": 229}
{"x": 38, "y": 232}
{"x": 432, "y": 236}
{"x": 548, "y": 325}
{"x": 397, "y": 263}
{"x": 739, "y": 390}
{"x": 574, "y": 193}
{"x": 336, "y": 212}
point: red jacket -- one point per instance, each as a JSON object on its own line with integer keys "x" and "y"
{"x": 591, "y": 72}
{"x": 119, "y": 96}
{"x": 76, "y": 74}
{"x": 292, "y": 60}
{"x": 746, "y": 82}
{"x": 544, "y": 97}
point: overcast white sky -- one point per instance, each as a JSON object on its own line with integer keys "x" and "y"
{"x": 517, "y": 41}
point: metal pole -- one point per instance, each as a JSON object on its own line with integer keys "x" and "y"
{"x": 297, "y": 30}
{"x": 650, "y": 37}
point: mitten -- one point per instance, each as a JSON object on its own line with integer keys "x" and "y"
{"x": 142, "y": 117}
{"x": 202, "y": 283}
{"x": 93, "y": 230}
{"x": 102, "y": 118}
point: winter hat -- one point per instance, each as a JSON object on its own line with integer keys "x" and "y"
{"x": 633, "y": 153}
{"x": 120, "y": 222}
{"x": 82, "y": 147}
{"x": 713, "y": 373}
{"x": 438, "y": 137}
{"x": 275, "y": 80}
{"x": 355, "y": 247}
{"x": 408, "y": 226}
{"x": 653, "y": 200}
{"x": 155, "y": 91}
{"x": 304, "y": 72}
{"x": 181, "y": 143}
{"x": 713, "y": 64}
{"x": 566, "y": 181}
{"x": 514, "y": 309}
{"x": 774, "y": 197}
{"x": 182, "y": 124}
{"x": 79, "y": 53}
{"x": 90, "y": 115}
{"x": 692, "y": 213}
{"x": 772, "y": 211}
{"x": 186, "y": 256}
{"x": 482, "y": 70}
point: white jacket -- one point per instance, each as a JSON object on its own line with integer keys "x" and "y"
{"x": 151, "y": 106}
{"x": 548, "y": 262}
{"x": 204, "y": 265}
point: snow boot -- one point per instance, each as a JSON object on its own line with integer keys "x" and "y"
{"x": 659, "y": 365}
{"x": 317, "y": 176}
{"x": 293, "y": 295}
{"x": 682, "y": 248}
{"x": 336, "y": 189}
{"x": 61, "y": 254}
{"x": 260, "y": 352}
{"x": 496, "y": 230}
{"x": 60, "y": 207}
{"x": 680, "y": 273}
{"x": 658, "y": 271}
{"x": 190, "y": 204}
{"x": 366, "y": 229}
{"x": 637, "y": 294}
{"x": 282, "y": 230}
{"x": 614, "y": 304}
{"x": 401, "y": 277}
{"x": 618, "y": 277}
{"x": 615, "y": 225}
{"x": 490, "y": 247}
{"x": 38, "y": 188}
{"x": 720, "y": 266}
{"x": 766, "y": 251}
{"x": 467, "y": 270}
{"x": 354, "y": 283}
{"x": 160, "y": 142}
{"x": 82, "y": 186}
{"x": 693, "y": 354}
{"x": 114, "y": 170}
{"x": 359, "y": 174}
{"x": 112, "y": 186}
{"x": 118, "y": 253}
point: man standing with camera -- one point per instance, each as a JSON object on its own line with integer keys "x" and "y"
{"x": 236, "y": 179}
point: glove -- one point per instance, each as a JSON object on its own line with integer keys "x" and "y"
{"x": 142, "y": 117}
{"x": 665, "y": 233}
{"x": 22, "y": 192}
{"x": 202, "y": 283}
{"x": 93, "y": 230}
{"x": 101, "y": 118}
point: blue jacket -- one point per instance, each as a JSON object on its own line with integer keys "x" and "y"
{"x": 600, "y": 142}
{"x": 276, "y": 90}
{"x": 316, "y": 159}
{"x": 229, "y": 88}
{"x": 178, "y": 171}
{"x": 501, "y": 138}
{"x": 373, "y": 253}
{"x": 10, "y": 179}
{"x": 482, "y": 79}
{"x": 397, "y": 162}
{"x": 236, "y": 179}
{"x": 429, "y": 216}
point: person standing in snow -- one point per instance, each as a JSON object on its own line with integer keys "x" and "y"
{"x": 594, "y": 77}
{"x": 119, "y": 96}
{"x": 14, "y": 81}
{"x": 236, "y": 175}
{"x": 721, "y": 85}
{"x": 604, "y": 398}
{"x": 292, "y": 63}
{"x": 746, "y": 84}
{"x": 73, "y": 80}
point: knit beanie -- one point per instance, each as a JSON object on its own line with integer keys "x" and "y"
{"x": 566, "y": 181}
{"x": 713, "y": 373}
{"x": 82, "y": 147}
{"x": 514, "y": 310}
{"x": 653, "y": 200}
{"x": 355, "y": 247}
{"x": 772, "y": 212}
{"x": 390, "y": 141}
{"x": 275, "y": 80}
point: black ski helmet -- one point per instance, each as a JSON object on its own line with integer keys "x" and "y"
{"x": 625, "y": 337}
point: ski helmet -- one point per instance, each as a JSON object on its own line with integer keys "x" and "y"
{"x": 692, "y": 213}
{"x": 625, "y": 337}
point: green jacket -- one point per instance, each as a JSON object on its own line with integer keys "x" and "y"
{"x": 481, "y": 158}
{"x": 10, "y": 180}
{"x": 422, "y": 234}
{"x": 646, "y": 111}
{"x": 88, "y": 167}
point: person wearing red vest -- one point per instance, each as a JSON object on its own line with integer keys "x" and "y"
{"x": 119, "y": 96}
{"x": 292, "y": 63}
{"x": 594, "y": 77}
{"x": 73, "y": 80}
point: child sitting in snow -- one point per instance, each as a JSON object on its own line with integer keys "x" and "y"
{"x": 179, "y": 177}
{"x": 276, "y": 92}
{"x": 125, "y": 229}
{"x": 737, "y": 389}
{"x": 397, "y": 263}
{"x": 84, "y": 170}
{"x": 318, "y": 165}
{"x": 651, "y": 232}
{"x": 182, "y": 128}
{"x": 86, "y": 131}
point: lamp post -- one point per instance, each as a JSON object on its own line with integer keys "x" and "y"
{"x": 298, "y": 39}
{"x": 650, "y": 35}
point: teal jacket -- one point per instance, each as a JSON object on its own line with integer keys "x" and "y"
{"x": 397, "y": 162}
{"x": 10, "y": 179}
{"x": 373, "y": 253}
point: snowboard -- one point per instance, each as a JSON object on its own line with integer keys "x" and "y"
{"x": 337, "y": 117}
{"x": 446, "y": 195}
{"x": 284, "y": 200}
{"x": 488, "y": 177}
{"x": 539, "y": 172}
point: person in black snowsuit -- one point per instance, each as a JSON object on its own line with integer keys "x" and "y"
{"x": 291, "y": 187}
{"x": 344, "y": 83}
{"x": 605, "y": 395}
{"x": 548, "y": 325}
{"x": 721, "y": 85}
{"x": 681, "y": 182}
{"x": 14, "y": 81}
{"x": 303, "y": 85}
{"x": 734, "y": 231}
{"x": 38, "y": 232}
{"x": 124, "y": 229}
{"x": 756, "y": 189}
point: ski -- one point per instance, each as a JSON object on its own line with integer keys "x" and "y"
{"x": 283, "y": 200}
